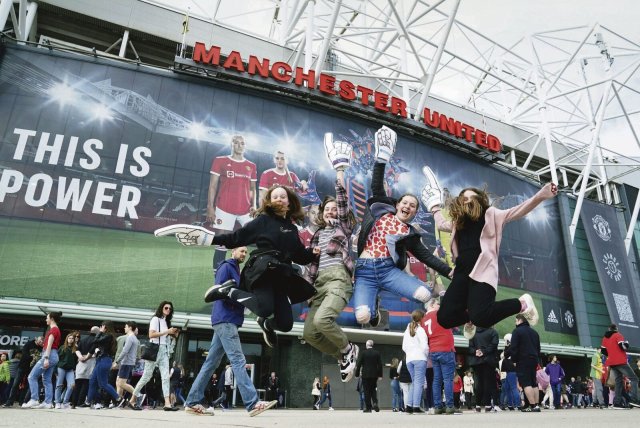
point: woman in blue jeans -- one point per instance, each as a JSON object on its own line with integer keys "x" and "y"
{"x": 416, "y": 346}
{"x": 385, "y": 237}
{"x": 66, "y": 371}
{"x": 105, "y": 343}
{"x": 45, "y": 366}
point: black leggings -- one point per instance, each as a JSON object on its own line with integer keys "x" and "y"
{"x": 267, "y": 300}
{"x": 486, "y": 384}
{"x": 468, "y": 300}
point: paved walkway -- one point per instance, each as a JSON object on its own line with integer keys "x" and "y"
{"x": 578, "y": 418}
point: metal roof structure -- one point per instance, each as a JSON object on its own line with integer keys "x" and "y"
{"x": 574, "y": 91}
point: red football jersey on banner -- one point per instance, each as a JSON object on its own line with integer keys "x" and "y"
{"x": 440, "y": 338}
{"x": 234, "y": 196}
{"x": 271, "y": 177}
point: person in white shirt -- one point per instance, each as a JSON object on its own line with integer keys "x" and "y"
{"x": 416, "y": 347}
{"x": 160, "y": 332}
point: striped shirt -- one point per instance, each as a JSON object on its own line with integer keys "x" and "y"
{"x": 327, "y": 260}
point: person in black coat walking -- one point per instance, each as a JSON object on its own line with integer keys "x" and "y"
{"x": 483, "y": 348}
{"x": 524, "y": 351}
{"x": 369, "y": 366}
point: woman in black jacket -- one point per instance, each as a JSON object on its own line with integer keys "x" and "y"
{"x": 105, "y": 348}
{"x": 268, "y": 283}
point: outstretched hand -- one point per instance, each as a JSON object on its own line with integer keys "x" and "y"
{"x": 550, "y": 190}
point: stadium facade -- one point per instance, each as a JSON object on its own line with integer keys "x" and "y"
{"x": 98, "y": 151}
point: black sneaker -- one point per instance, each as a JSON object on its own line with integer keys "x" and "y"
{"x": 219, "y": 291}
{"x": 270, "y": 336}
{"x": 120, "y": 403}
{"x": 375, "y": 321}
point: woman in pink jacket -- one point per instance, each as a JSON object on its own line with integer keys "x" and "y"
{"x": 476, "y": 229}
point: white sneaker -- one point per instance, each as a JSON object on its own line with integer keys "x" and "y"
{"x": 469, "y": 331}
{"x": 209, "y": 411}
{"x": 58, "y": 406}
{"x": 97, "y": 406}
{"x": 348, "y": 363}
{"x": 531, "y": 313}
{"x": 66, "y": 405}
{"x": 43, "y": 405}
{"x": 30, "y": 404}
{"x": 331, "y": 408}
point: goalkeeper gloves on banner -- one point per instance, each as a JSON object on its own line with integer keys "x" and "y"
{"x": 187, "y": 234}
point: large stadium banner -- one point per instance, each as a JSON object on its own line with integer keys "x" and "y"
{"x": 96, "y": 155}
{"x": 612, "y": 264}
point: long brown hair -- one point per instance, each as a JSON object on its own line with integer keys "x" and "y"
{"x": 319, "y": 219}
{"x": 325, "y": 381}
{"x": 294, "y": 211}
{"x": 416, "y": 317}
{"x": 111, "y": 331}
{"x": 65, "y": 346}
{"x": 460, "y": 211}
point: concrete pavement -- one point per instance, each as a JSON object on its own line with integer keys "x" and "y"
{"x": 575, "y": 418}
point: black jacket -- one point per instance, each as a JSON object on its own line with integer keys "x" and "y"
{"x": 380, "y": 204}
{"x": 265, "y": 267}
{"x": 486, "y": 339}
{"x": 369, "y": 364}
{"x": 525, "y": 344}
{"x": 278, "y": 245}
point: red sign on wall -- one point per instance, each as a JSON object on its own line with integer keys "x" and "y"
{"x": 344, "y": 89}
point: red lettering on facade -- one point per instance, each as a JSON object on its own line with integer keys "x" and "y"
{"x": 257, "y": 67}
{"x": 201, "y": 54}
{"x": 494, "y": 143}
{"x": 234, "y": 61}
{"x": 481, "y": 138}
{"x": 380, "y": 101}
{"x": 309, "y": 77}
{"x": 468, "y": 131}
{"x": 365, "y": 93}
{"x": 398, "y": 107}
{"x": 347, "y": 90}
{"x": 447, "y": 124}
{"x": 281, "y": 71}
{"x": 327, "y": 84}
{"x": 431, "y": 119}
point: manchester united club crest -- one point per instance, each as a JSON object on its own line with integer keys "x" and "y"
{"x": 601, "y": 227}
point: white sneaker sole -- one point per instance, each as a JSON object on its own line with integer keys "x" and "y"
{"x": 269, "y": 405}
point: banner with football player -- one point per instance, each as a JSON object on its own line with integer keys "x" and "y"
{"x": 96, "y": 155}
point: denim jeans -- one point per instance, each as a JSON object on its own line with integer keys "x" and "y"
{"x": 396, "y": 402}
{"x": 621, "y": 371}
{"x": 63, "y": 375}
{"x": 162, "y": 362}
{"x": 444, "y": 366}
{"x": 373, "y": 275}
{"x": 39, "y": 370}
{"x": 100, "y": 379}
{"x": 510, "y": 387}
{"x": 557, "y": 388}
{"x": 597, "y": 392}
{"x": 418, "y": 372}
{"x": 225, "y": 340}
